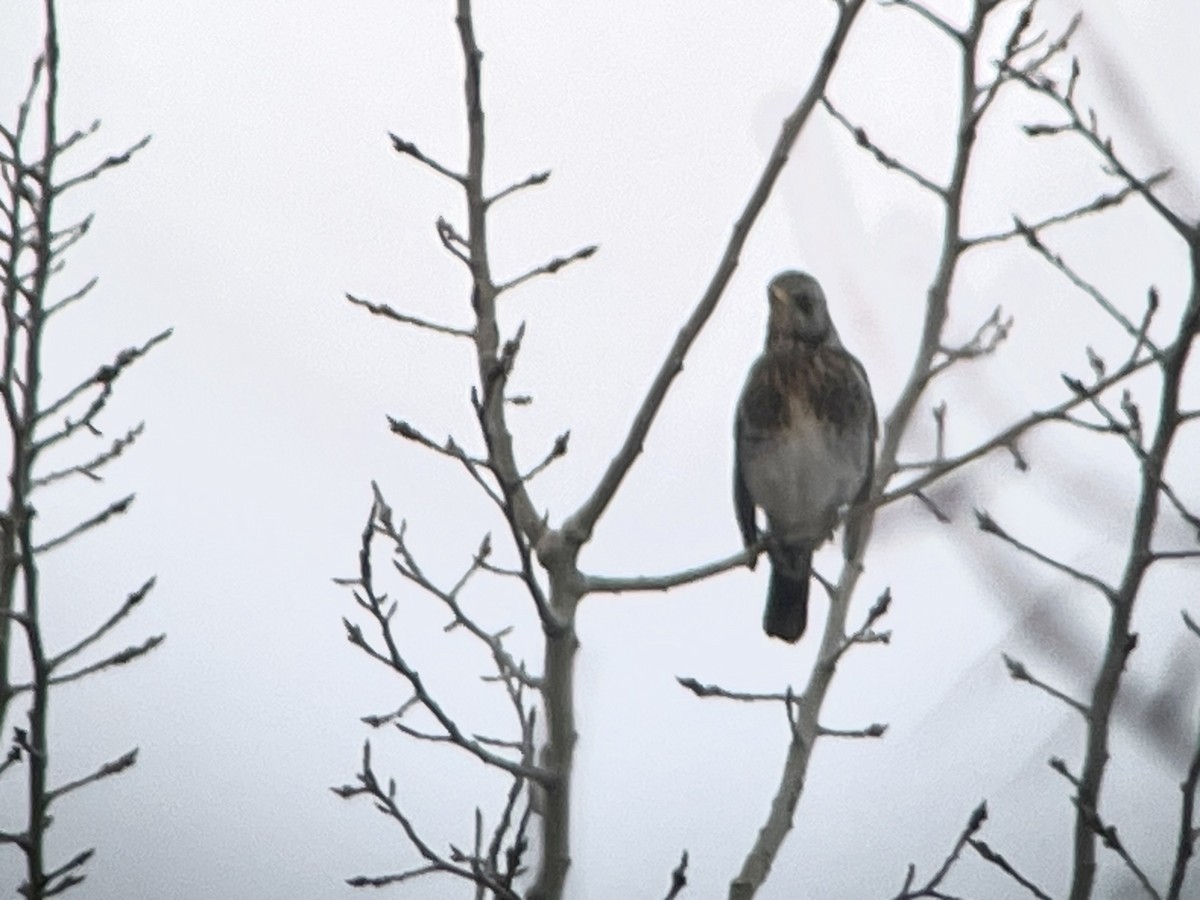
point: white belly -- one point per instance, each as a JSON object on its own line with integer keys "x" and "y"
{"x": 801, "y": 480}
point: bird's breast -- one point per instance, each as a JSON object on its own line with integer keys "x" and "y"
{"x": 804, "y": 438}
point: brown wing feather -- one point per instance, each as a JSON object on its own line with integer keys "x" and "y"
{"x": 854, "y": 517}
{"x": 741, "y": 494}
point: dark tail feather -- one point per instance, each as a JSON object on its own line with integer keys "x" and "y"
{"x": 786, "y": 614}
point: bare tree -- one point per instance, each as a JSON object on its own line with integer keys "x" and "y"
{"x": 41, "y": 429}
{"x": 1151, "y": 443}
{"x": 998, "y": 50}
{"x": 1114, "y": 413}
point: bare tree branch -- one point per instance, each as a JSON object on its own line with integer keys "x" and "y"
{"x": 88, "y": 469}
{"x": 450, "y": 449}
{"x": 505, "y": 663}
{"x": 120, "y": 658}
{"x": 1059, "y": 765}
{"x": 1099, "y": 204}
{"x": 1008, "y": 437}
{"x": 386, "y": 803}
{"x": 1055, "y": 260}
{"x": 884, "y": 159}
{"x": 115, "y": 508}
{"x": 455, "y": 243}
{"x": 115, "y": 767}
{"x": 984, "y": 342}
{"x": 1108, "y": 834}
{"x": 374, "y": 604}
{"x": 382, "y": 309}
{"x": 406, "y": 148}
{"x": 931, "y": 887}
{"x": 454, "y": 734}
{"x": 531, "y": 181}
{"x": 66, "y": 875}
{"x": 621, "y": 584}
{"x": 389, "y": 880}
{"x": 111, "y": 162}
{"x": 1191, "y": 624}
{"x": 678, "y": 878}
{"x": 33, "y": 244}
{"x": 1089, "y": 132}
{"x": 1185, "y": 846}
{"x": 103, "y": 380}
{"x": 712, "y": 690}
{"x": 1005, "y": 866}
{"x": 1018, "y": 672}
{"x": 875, "y": 730}
{"x": 929, "y": 16}
{"x": 549, "y": 268}
{"x": 988, "y": 525}
{"x": 557, "y": 451}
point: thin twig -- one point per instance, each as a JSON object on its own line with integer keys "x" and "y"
{"x": 1008, "y": 436}
{"x": 1191, "y": 624}
{"x": 875, "y": 730}
{"x": 406, "y": 148}
{"x": 115, "y": 508}
{"x": 387, "y": 312}
{"x": 454, "y": 734}
{"x": 930, "y": 889}
{"x": 111, "y": 162}
{"x": 394, "y": 659}
{"x": 506, "y": 664}
{"x": 712, "y": 690}
{"x": 1056, "y": 261}
{"x": 1108, "y": 835}
{"x": 557, "y": 451}
{"x": 120, "y": 658}
{"x": 884, "y": 159}
{"x": 103, "y": 380}
{"x": 1103, "y": 146}
{"x": 385, "y": 800}
{"x": 1101, "y": 203}
{"x": 985, "y": 341}
{"x": 988, "y": 525}
{"x": 929, "y": 16}
{"x": 549, "y": 268}
{"x": 678, "y": 878}
{"x": 115, "y": 767}
{"x": 88, "y": 469}
{"x": 1185, "y": 845}
{"x": 1059, "y": 765}
{"x": 1005, "y": 866}
{"x": 535, "y": 179}
{"x": 607, "y": 584}
{"x": 1018, "y": 672}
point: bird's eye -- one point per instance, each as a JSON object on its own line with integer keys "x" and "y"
{"x": 803, "y": 303}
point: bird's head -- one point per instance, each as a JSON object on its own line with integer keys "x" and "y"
{"x": 798, "y": 311}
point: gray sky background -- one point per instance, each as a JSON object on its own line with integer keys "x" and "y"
{"x": 270, "y": 189}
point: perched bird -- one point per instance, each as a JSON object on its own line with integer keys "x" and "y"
{"x": 804, "y": 444}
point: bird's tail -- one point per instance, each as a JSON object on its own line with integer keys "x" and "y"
{"x": 786, "y": 614}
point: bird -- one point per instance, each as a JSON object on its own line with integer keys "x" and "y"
{"x": 804, "y": 445}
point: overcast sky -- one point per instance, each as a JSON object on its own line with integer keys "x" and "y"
{"x": 270, "y": 189}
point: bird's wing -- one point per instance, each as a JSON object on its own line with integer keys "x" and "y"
{"x": 872, "y": 431}
{"x": 851, "y": 542}
{"x": 741, "y": 494}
